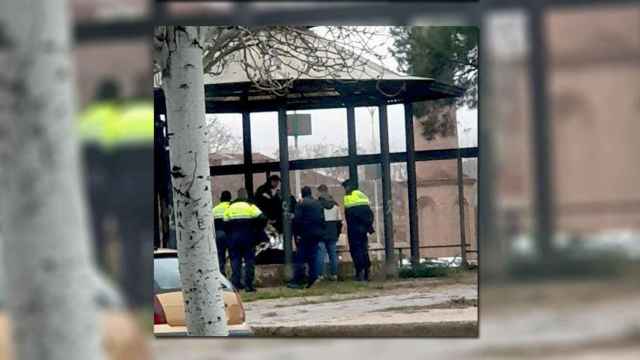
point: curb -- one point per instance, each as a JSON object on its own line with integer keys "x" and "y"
{"x": 424, "y": 329}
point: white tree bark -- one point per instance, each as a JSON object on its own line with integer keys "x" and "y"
{"x": 183, "y": 83}
{"x": 47, "y": 257}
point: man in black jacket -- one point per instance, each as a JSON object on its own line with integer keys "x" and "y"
{"x": 269, "y": 201}
{"x": 308, "y": 225}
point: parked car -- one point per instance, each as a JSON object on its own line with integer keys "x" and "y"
{"x": 168, "y": 303}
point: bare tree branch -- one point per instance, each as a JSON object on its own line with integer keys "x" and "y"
{"x": 273, "y": 57}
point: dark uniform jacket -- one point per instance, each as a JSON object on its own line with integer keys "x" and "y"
{"x": 359, "y": 217}
{"x": 243, "y": 225}
{"x": 308, "y": 221}
{"x": 268, "y": 201}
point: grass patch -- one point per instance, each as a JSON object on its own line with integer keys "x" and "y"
{"x": 319, "y": 289}
{"x": 328, "y": 288}
{"x": 427, "y": 270}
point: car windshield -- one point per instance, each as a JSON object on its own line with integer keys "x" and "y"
{"x": 167, "y": 278}
{"x": 165, "y": 274}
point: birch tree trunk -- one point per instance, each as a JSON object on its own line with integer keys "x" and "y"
{"x": 182, "y": 80}
{"x": 47, "y": 256}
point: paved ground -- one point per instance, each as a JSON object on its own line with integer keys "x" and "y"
{"x": 425, "y": 301}
{"x": 421, "y": 307}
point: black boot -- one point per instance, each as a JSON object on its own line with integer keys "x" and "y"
{"x": 366, "y": 274}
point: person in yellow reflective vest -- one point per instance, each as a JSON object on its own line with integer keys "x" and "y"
{"x": 359, "y": 219}
{"x": 117, "y": 136}
{"x": 220, "y": 234}
{"x": 112, "y": 122}
{"x": 243, "y": 221}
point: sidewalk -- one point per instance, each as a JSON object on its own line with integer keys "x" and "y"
{"x": 428, "y": 308}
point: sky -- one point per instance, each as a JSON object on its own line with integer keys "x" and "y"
{"x": 329, "y": 126}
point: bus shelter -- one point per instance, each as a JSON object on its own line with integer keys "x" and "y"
{"x": 373, "y": 86}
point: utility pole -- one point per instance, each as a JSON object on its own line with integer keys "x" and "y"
{"x": 376, "y": 218}
{"x": 295, "y": 144}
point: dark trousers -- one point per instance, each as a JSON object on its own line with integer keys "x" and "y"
{"x": 239, "y": 251}
{"x": 117, "y": 183}
{"x": 359, "y": 249}
{"x": 221, "y": 244}
{"x": 306, "y": 255}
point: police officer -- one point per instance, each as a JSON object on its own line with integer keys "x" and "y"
{"x": 221, "y": 236}
{"x": 359, "y": 223}
{"x": 117, "y": 136}
{"x": 242, "y": 222}
{"x": 308, "y": 223}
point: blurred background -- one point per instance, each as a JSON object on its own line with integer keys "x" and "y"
{"x": 558, "y": 202}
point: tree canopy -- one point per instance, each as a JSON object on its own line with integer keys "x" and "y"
{"x": 448, "y": 54}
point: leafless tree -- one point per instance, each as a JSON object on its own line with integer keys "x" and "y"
{"x": 46, "y": 259}
{"x": 272, "y": 58}
{"x": 221, "y": 140}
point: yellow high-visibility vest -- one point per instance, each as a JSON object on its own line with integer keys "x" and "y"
{"x": 95, "y": 119}
{"x": 110, "y": 124}
{"x": 356, "y": 198}
{"x": 218, "y": 210}
{"x": 241, "y": 210}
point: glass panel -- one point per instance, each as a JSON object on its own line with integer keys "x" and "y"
{"x": 225, "y": 139}
{"x": 367, "y": 130}
{"x": 328, "y": 135}
{"x": 439, "y": 130}
{"x": 438, "y": 212}
{"x": 332, "y": 177}
{"x": 400, "y": 208}
{"x": 371, "y": 184}
{"x": 226, "y": 182}
{"x": 165, "y": 274}
{"x": 397, "y": 139}
{"x": 264, "y": 137}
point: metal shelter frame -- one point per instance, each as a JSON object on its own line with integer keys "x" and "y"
{"x": 234, "y": 97}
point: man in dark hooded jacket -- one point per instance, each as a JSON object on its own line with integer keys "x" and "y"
{"x": 269, "y": 201}
{"x": 308, "y": 225}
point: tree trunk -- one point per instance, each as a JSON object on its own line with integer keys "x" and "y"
{"x": 183, "y": 83}
{"x": 47, "y": 255}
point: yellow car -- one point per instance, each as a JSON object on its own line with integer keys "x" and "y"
{"x": 168, "y": 303}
